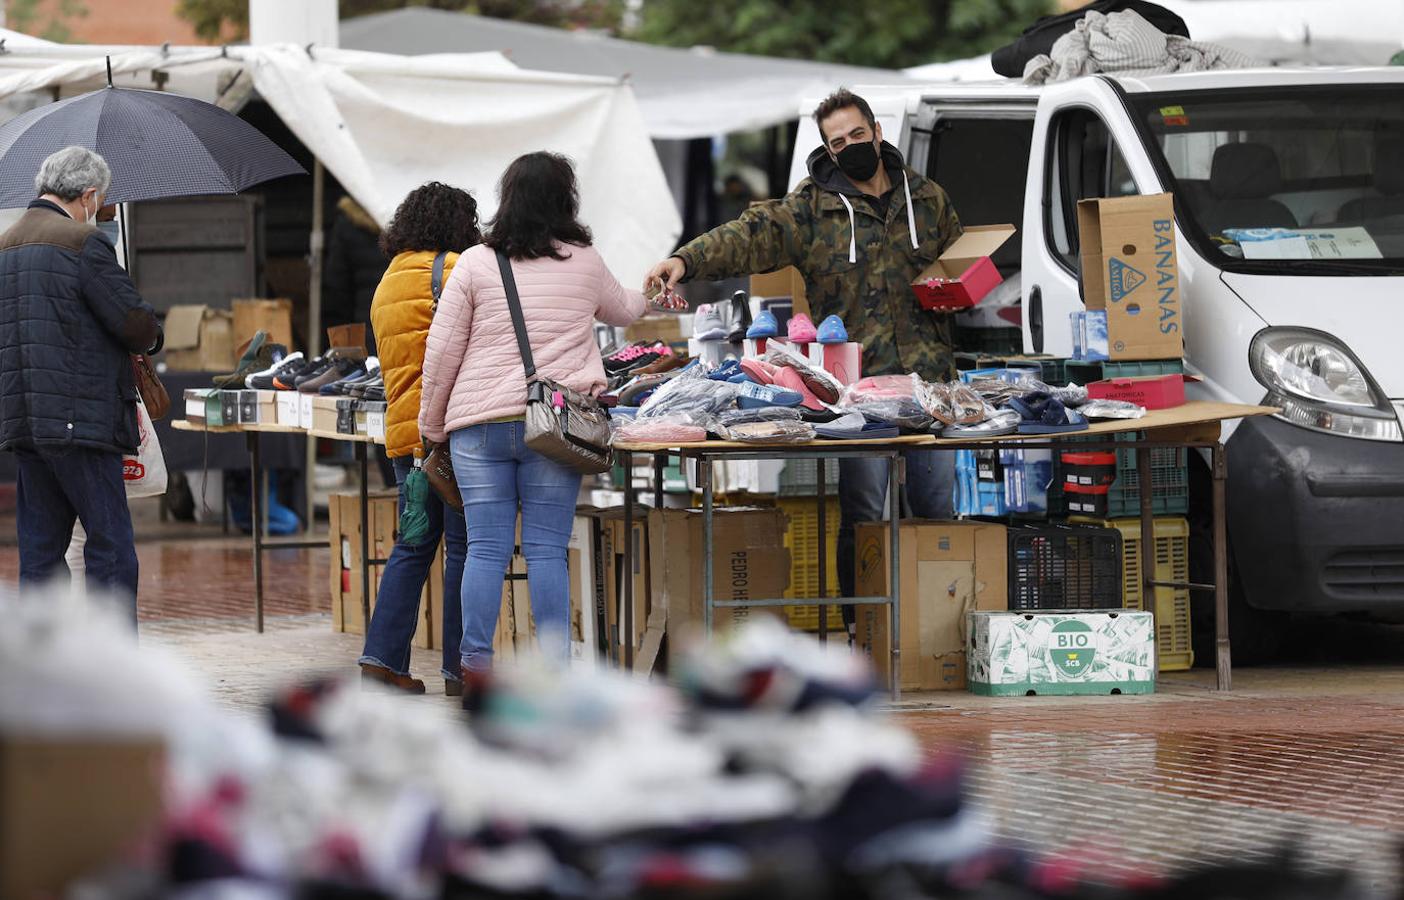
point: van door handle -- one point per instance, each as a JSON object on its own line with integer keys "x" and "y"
{"x": 1036, "y": 318}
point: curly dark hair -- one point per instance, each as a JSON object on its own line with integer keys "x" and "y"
{"x": 433, "y": 216}
{"x": 538, "y": 204}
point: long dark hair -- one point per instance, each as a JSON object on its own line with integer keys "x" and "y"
{"x": 435, "y": 217}
{"x": 538, "y": 204}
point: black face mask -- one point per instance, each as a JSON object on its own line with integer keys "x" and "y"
{"x": 859, "y": 161}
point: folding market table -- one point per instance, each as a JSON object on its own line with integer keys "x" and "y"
{"x": 1193, "y": 426}
{"x": 261, "y": 540}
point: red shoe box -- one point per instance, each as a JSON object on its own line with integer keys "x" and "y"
{"x": 964, "y": 273}
{"x": 1152, "y": 392}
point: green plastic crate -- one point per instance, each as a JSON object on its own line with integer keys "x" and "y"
{"x": 1084, "y": 372}
{"x": 1169, "y": 480}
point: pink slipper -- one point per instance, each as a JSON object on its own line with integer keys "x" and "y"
{"x": 759, "y": 371}
{"x": 801, "y": 330}
{"x": 791, "y": 379}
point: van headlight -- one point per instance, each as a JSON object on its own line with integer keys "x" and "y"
{"x": 1319, "y": 384}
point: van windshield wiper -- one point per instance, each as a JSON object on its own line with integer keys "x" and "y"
{"x": 1320, "y": 267}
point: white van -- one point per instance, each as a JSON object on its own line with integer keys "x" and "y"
{"x": 1316, "y": 495}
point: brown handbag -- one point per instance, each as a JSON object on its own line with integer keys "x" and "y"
{"x": 153, "y": 392}
{"x": 438, "y": 460}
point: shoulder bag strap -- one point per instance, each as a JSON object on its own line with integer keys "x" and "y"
{"x": 436, "y": 278}
{"x": 514, "y": 305}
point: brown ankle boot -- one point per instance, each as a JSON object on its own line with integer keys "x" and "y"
{"x": 406, "y": 683}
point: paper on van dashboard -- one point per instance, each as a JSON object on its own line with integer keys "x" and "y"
{"x": 1300, "y": 243}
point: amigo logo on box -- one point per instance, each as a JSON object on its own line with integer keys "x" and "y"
{"x": 1072, "y": 645}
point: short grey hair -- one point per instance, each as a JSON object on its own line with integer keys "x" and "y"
{"x": 71, "y": 171}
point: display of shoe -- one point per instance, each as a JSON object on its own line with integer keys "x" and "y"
{"x": 831, "y": 331}
{"x": 790, "y": 379}
{"x": 370, "y": 371}
{"x": 707, "y": 324}
{"x": 740, "y": 316}
{"x": 801, "y": 329}
{"x": 632, "y": 356}
{"x": 339, "y": 369}
{"x": 375, "y": 393}
{"x": 755, "y": 396}
{"x": 285, "y": 379}
{"x": 338, "y": 388}
{"x": 765, "y": 326}
{"x": 758, "y": 370}
{"x": 726, "y": 371}
{"x": 260, "y": 357}
{"x": 379, "y": 675}
{"x": 665, "y": 363}
{"x": 358, "y": 390}
{"x": 264, "y": 381}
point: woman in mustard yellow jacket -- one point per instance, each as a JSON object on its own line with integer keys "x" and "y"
{"x": 434, "y": 219}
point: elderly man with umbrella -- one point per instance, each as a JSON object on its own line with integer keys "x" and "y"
{"x": 69, "y": 319}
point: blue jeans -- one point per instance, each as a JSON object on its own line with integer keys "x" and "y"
{"x": 396, "y": 613}
{"x": 862, "y": 489}
{"x": 57, "y": 488}
{"x": 498, "y": 475}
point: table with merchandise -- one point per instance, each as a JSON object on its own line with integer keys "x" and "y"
{"x": 778, "y": 403}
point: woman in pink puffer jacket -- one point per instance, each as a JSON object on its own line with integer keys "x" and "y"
{"x": 474, "y": 391}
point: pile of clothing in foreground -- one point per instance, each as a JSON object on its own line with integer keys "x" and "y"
{"x": 781, "y": 397}
{"x": 765, "y": 771}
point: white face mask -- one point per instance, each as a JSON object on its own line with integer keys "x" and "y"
{"x": 90, "y": 217}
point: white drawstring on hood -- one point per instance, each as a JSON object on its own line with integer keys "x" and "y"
{"x": 853, "y": 222}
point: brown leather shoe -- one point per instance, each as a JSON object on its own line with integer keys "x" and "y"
{"x": 663, "y": 364}
{"x": 407, "y": 683}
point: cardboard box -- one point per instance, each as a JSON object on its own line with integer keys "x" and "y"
{"x": 1152, "y": 391}
{"x": 961, "y": 276}
{"x": 370, "y": 413}
{"x": 612, "y": 549}
{"x": 665, "y": 328}
{"x": 71, "y": 806}
{"x": 195, "y": 403}
{"x": 345, "y": 415}
{"x": 1061, "y": 653}
{"x": 289, "y": 408}
{"x": 946, "y": 570}
{"x": 306, "y": 410}
{"x": 749, "y": 561}
{"x": 1129, "y": 270}
{"x": 229, "y": 407}
{"x": 271, "y": 316}
{"x": 787, "y": 282}
{"x": 344, "y": 529}
{"x": 248, "y": 407}
{"x": 199, "y": 339}
{"x": 324, "y": 413}
{"x": 266, "y": 407}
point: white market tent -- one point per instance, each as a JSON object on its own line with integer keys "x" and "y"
{"x": 383, "y": 124}
{"x": 682, "y": 93}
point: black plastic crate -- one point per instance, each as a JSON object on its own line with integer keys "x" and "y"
{"x": 1064, "y": 567}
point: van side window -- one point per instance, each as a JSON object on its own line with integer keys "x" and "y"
{"x": 981, "y": 161}
{"x": 1086, "y": 163}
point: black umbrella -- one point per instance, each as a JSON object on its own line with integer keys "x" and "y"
{"x": 157, "y": 144}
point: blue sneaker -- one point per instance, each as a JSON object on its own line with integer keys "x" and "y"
{"x": 726, "y": 371}
{"x": 764, "y": 326}
{"x": 755, "y": 396}
{"x": 831, "y": 331}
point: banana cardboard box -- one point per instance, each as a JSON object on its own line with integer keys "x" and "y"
{"x": 1061, "y": 653}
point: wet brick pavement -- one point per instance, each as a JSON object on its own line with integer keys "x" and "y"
{"x": 1129, "y": 784}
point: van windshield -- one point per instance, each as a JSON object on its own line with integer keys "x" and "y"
{"x": 1296, "y": 179}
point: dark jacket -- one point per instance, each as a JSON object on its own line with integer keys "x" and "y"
{"x": 858, "y": 261}
{"x": 69, "y": 320}
{"x": 354, "y": 268}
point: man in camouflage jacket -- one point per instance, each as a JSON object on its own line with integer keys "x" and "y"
{"x": 860, "y": 229}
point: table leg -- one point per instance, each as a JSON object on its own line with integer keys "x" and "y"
{"x": 626, "y": 615}
{"x": 364, "y": 459}
{"x": 823, "y": 549}
{"x": 1148, "y": 549}
{"x": 894, "y": 499}
{"x": 1222, "y": 659}
{"x": 704, "y": 475}
{"x": 256, "y": 513}
{"x": 659, "y": 461}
